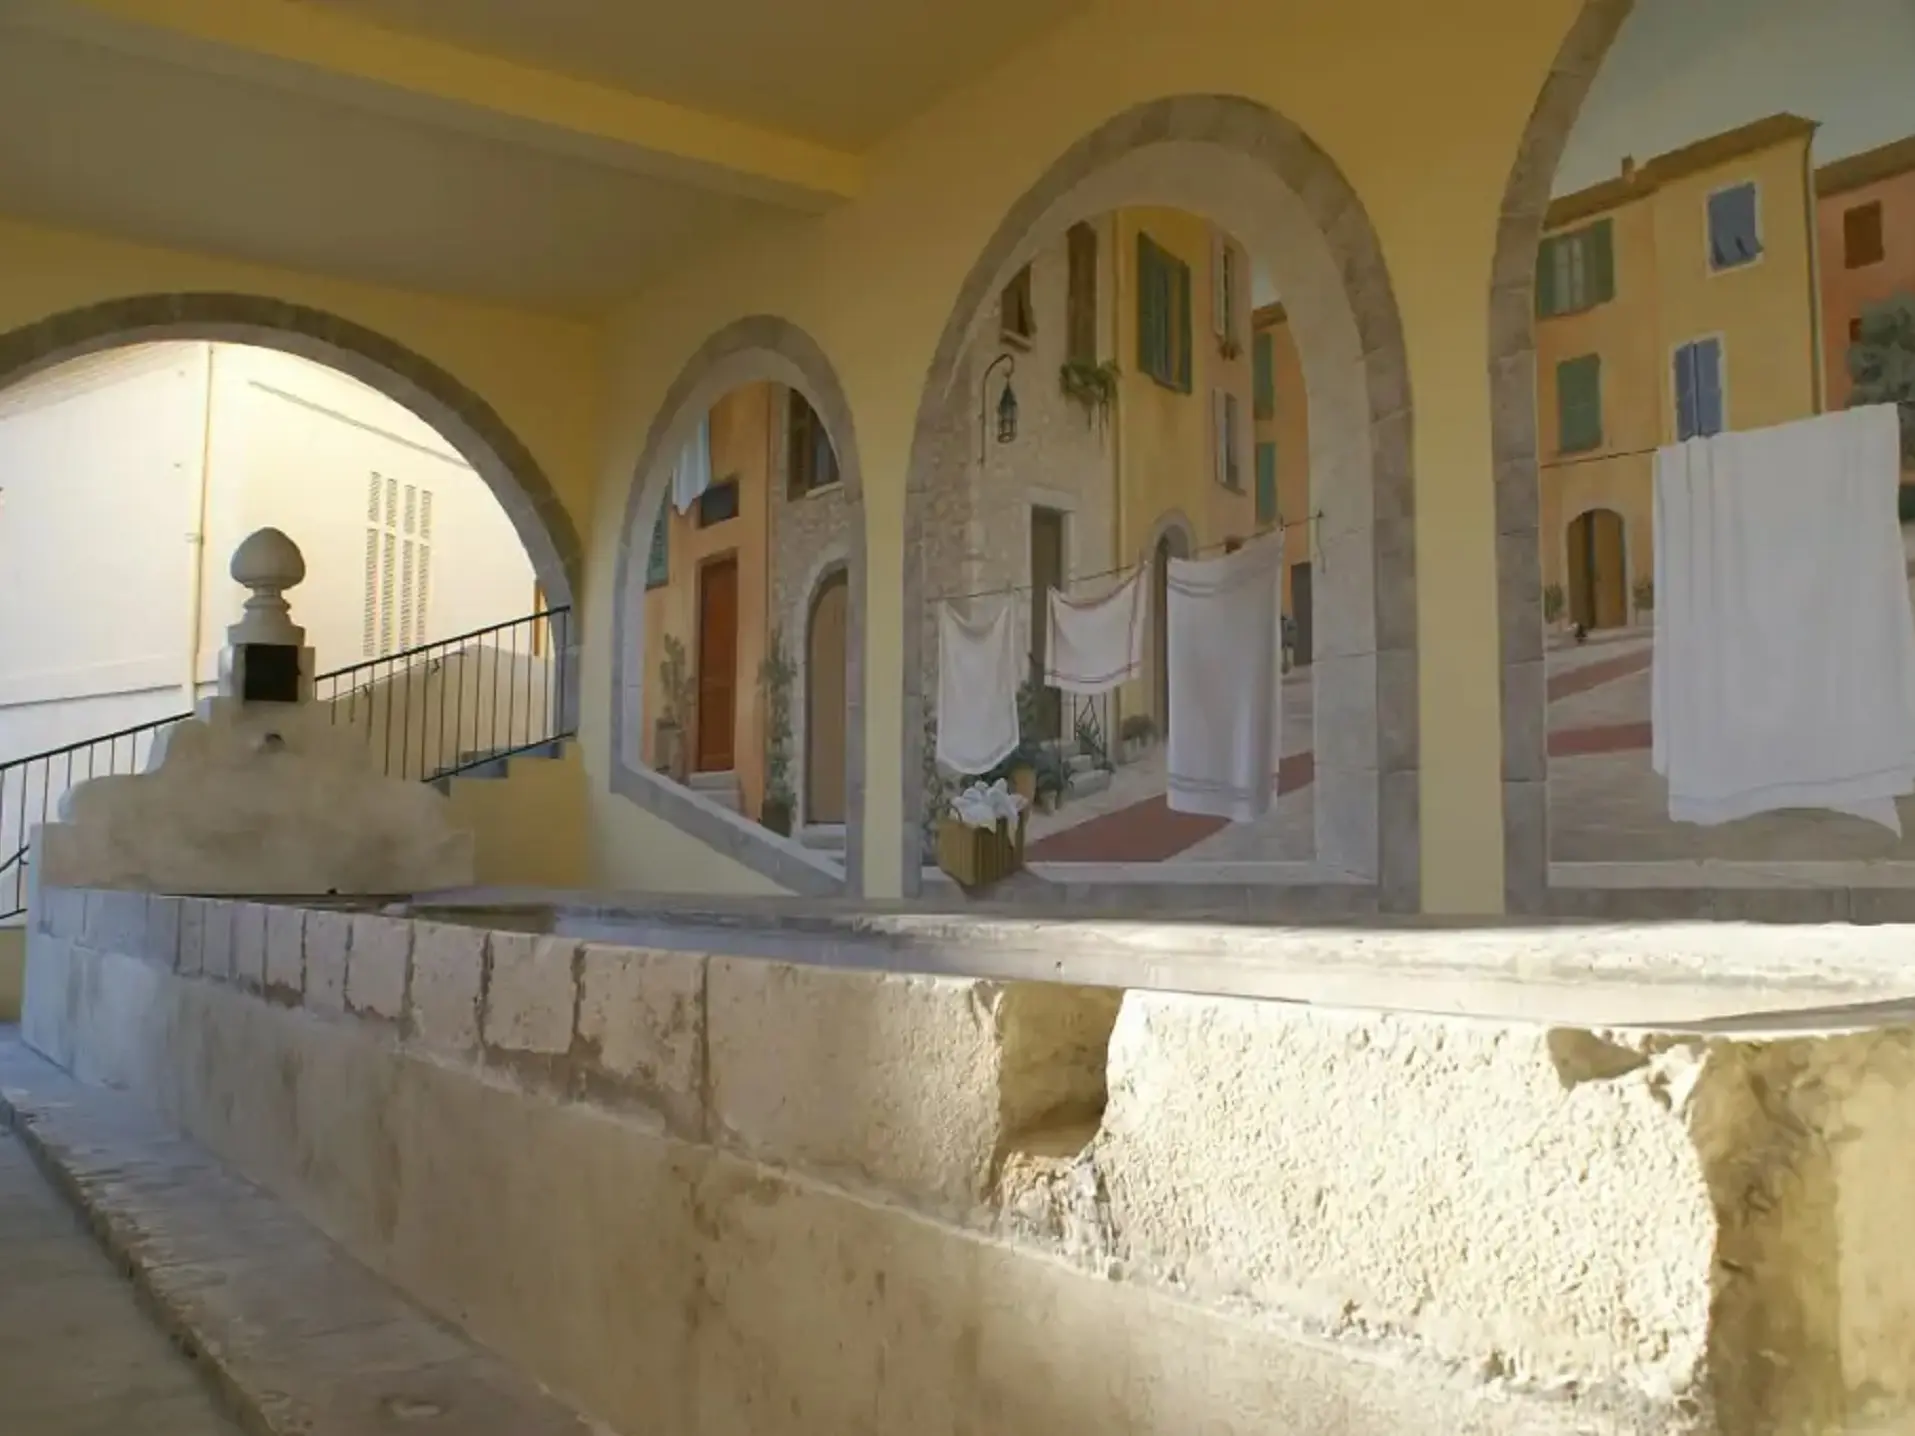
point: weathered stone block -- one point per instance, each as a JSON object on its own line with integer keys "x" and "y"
{"x": 642, "y": 1024}
{"x": 376, "y": 967}
{"x": 192, "y": 960}
{"x": 448, "y": 984}
{"x": 328, "y": 939}
{"x": 286, "y": 949}
{"x": 249, "y": 944}
{"x": 532, "y": 998}
{"x": 162, "y": 944}
{"x": 217, "y": 960}
{"x": 116, "y": 922}
{"x": 922, "y": 1083}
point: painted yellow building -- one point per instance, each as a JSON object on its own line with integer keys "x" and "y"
{"x": 1185, "y": 468}
{"x": 1678, "y": 298}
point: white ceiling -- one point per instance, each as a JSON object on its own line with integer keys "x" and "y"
{"x": 840, "y": 72}
{"x": 102, "y": 139}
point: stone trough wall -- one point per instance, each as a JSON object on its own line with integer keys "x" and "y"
{"x": 703, "y": 1195}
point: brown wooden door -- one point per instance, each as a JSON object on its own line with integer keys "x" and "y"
{"x": 717, "y": 665}
{"x": 1160, "y": 633}
{"x": 1598, "y": 570}
{"x": 825, "y": 702}
{"x": 1047, "y": 573}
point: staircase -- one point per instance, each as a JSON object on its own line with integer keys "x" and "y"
{"x": 464, "y": 707}
{"x": 719, "y": 789}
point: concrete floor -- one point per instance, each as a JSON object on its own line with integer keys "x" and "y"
{"x": 78, "y": 1357}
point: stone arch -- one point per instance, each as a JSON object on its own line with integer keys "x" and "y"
{"x": 463, "y": 418}
{"x": 755, "y": 349}
{"x": 1512, "y": 380}
{"x": 1246, "y": 167}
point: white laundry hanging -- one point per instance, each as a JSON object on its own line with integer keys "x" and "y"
{"x": 1784, "y": 667}
{"x": 691, "y": 475}
{"x": 978, "y": 676}
{"x": 1225, "y": 700}
{"x": 1091, "y": 647}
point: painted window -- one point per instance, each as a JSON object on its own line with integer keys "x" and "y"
{"x": 810, "y": 461}
{"x": 1263, "y": 364}
{"x": 1163, "y": 315}
{"x": 1735, "y": 237}
{"x": 1224, "y": 287}
{"x": 398, "y": 578}
{"x": 718, "y": 504}
{"x": 1018, "y": 317}
{"x": 1228, "y": 430}
{"x": 1266, "y": 484}
{"x": 1862, "y": 241}
{"x": 1081, "y": 297}
{"x": 1699, "y": 409}
{"x": 658, "y": 562}
{"x": 1577, "y": 270}
{"x": 1579, "y": 404}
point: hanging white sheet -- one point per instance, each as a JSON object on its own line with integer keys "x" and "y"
{"x": 1093, "y": 646}
{"x": 978, "y": 676}
{"x": 691, "y": 475}
{"x": 1784, "y": 666}
{"x": 1225, "y": 696}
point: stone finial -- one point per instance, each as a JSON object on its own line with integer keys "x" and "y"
{"x": 268, "y": 563}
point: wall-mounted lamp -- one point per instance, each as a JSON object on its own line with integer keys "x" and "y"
{"x": 1006, "y": 406}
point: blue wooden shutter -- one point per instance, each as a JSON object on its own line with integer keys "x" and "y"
{"x": 1266, "y": 483}
{"x": 1708, "y": 381}
{"x": 1686, "y": 392}
{"x": 1263, "y": 365}
{"x": 658, "y": 561}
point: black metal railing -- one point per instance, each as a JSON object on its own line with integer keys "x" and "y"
{"x": 431, "y": 712}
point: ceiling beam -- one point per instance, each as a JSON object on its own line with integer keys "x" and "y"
{"x": 308, "y": 48}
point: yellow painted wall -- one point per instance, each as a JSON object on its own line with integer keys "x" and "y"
{"x": 742, "y": 428}
{"x": 1666, "y": 295}
{"x": 1167, "y": 449}
{"x": 1765, "y": 312}
{"x": 874, "y": 280}
{"x": 532, "y": 826}
{"x": 13, "y": 971}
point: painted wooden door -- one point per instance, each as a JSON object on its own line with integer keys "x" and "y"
{"x": 1047, "y": 574}
{"x": 825, "y": 654}
{"x": 1302, "y": 608}
{"x": 717, "y": 665}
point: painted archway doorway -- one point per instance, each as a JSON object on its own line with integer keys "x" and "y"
{"x": 1598, "y": 570}
{"x": 1172, "y": 544}
{"x": 827, "y": 650}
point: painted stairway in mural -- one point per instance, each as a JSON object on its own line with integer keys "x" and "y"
{"x": 468, "y": 709}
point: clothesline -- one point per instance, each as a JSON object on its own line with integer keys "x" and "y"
{"x": 1608, "y": 454}
{"x": 1126, "y": 568}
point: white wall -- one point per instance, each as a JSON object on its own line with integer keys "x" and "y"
{"x": 100, "y": 464}
{"x": 295, "y": 446}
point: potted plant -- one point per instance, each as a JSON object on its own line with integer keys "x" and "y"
{"x": 1137, "y": 732}
{"x": 775, "y": 677}
{"x": 669, "y": 749}
{"x": 1554, "y": 602}
{"x": 1086, "y": 382}
{"x": 1644, "y": 594}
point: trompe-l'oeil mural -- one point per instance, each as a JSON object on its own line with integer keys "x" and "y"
{"x": 1725, "y": 342}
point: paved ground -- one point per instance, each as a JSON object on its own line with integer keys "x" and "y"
{"x": 78, "y": 1357}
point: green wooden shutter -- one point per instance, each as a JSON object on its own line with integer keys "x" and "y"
{"x": 1149, "y": 307}
{"x": 1601, "y": 259}
{"x": 1579, "y": 404}
{"x": 1181, "y": 334}
{"x": 1547, "y": 301}
{"x": 1263, "y": 364}
{"x": 1266, "y": 483}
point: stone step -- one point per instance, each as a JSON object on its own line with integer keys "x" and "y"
{"x": 242, "y": 1283}
{"x": 720, "y": 788}
{"x": 823, "y": 837}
